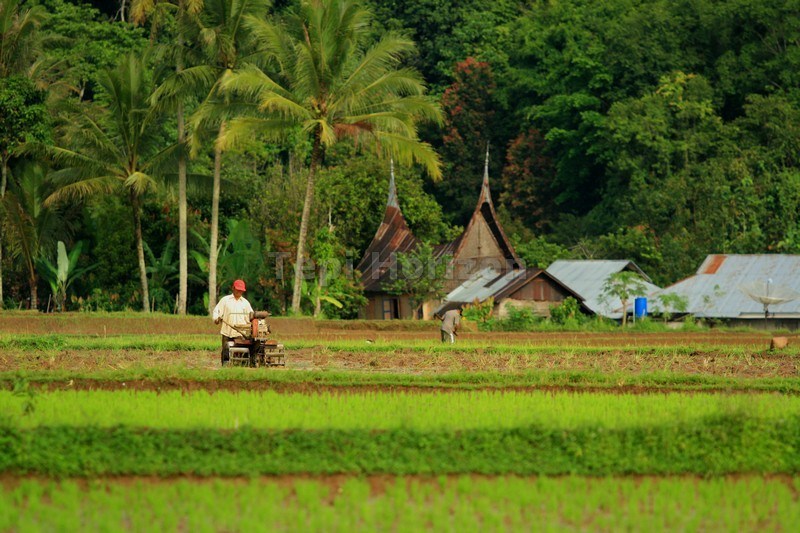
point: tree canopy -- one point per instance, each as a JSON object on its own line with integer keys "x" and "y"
{"x": 657, "y": 131}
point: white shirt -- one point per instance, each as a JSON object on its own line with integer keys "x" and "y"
{"x": 234, "y": 312}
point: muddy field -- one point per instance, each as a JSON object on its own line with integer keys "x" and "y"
{"x": 287, "y": 329}
{"x": 628, "y": 361}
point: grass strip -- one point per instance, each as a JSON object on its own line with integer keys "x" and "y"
{"x": 710, "y": 446}
{"x": 180, "y": 378}
{"x": 559, "y": 345}
{"x": 462, "y": 503}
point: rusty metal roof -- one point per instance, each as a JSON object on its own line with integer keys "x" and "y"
{"x": 393, "y": 236}
{"x": 715, "y": 290}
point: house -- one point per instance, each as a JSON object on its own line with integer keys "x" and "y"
{"x": 484, "y": 265}
{"x": 588, "y": 278}
{"x": 482, "y": 245}
{"x": 759, "y": 290}
{"x": 380, "y": 261}
{"x": 531, "y": 288}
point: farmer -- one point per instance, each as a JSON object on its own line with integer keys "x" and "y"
{"x": 451, "y": 320}
{"x": 232, "y": 310}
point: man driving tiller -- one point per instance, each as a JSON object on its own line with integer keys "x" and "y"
{"x": 231, "y": 311}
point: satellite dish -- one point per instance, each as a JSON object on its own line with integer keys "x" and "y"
{"x": 768, "y": 293}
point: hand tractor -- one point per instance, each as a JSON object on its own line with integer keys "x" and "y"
{"x": 255, "y": 348}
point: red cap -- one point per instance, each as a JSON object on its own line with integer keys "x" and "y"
{"x": 239, "y": 285}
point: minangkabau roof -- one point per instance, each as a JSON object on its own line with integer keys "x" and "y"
{"x": 393, "y": 236}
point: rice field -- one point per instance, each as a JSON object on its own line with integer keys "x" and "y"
{"x": 134, "y": 428}
{"x": 425, "y": 411}
{"x": 463, "y": 503}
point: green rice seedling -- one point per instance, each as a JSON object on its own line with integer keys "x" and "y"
{"x": 403, "y": 504}
{"x": 384, "y": 410}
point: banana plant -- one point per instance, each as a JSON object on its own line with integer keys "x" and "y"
{"x": 314, "y": 292}
{"x": 239, "y": 255}
{"x": 163, "y": 272}
{"x": 61, "y": 275}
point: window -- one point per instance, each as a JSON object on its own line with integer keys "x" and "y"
{"x": 391, "y": 308}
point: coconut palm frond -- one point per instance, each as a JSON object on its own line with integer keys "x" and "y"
{"x": 327, "y": 131}
{"x": 242, "y": 130}
{"x": 193, "y": 7}
{"x": 249, "y": 83}
{"x": 66, "y": 158}
{"x": 18, "y": 226}
{"x": 83, "y": 188}
{"x": 397, "y": 83}
{"x": 141, "y": 10}
{"x": 382, "y": 59}
{"x": 140, "y": 183}
{"x": 163, "y": 159}
{"x": 189, "y": 81}
{"x": 407, "y": 150}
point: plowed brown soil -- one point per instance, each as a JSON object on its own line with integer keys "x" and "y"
{"x": 379, "y": 483}
{"x": 212, "y": 386}
{"x": 325, "y": 330}
{"x": 628, "y": 361}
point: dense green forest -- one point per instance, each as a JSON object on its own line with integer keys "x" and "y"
{"x": 652, "y": 130}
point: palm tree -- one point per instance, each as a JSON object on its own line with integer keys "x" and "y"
{"x": 117, "y": 151}
{"x": 185, "y": 12}
{"x": 323, "y": 80}
{"x": 222, "y": 34}
{"x": 19, "y": 49}
{"x": 31, "y": 225}
{"x": 18, "y": 36}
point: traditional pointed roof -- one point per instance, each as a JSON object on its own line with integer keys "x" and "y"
{"x": 484, "y": 210}
{"x": 392, "y": 200}
{"x": 393, "y": 236}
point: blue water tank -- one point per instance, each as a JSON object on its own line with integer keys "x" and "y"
{"x": 640, "y": 307}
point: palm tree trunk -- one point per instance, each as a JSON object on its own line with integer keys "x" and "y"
{"x": 183, "y": 254}
{"x": 137, "y": 223}
{"x": 183, "y": 251}
{"x": 316, "y": 158}
{"x": 317, "y": 297}
{"x": 212, "y": 253}
{"x": 34, "y": 292}
{"x": 3, "y": 182}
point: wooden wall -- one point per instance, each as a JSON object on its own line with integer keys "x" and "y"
{"x": 377, "y": 303}
{"x": 538, "y": 295}
{"x": 479, "y": 250}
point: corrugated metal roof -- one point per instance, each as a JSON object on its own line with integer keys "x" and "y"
{"x": 481, "y": 286}
{"x": 587, "y": 278}
{"x": 714, "y": 292}
{"x": 490, "y": 282}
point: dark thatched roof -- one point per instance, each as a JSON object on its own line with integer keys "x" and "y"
{"x": 393, "y": 236}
